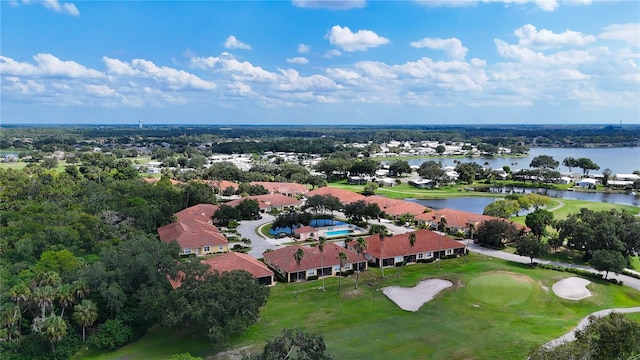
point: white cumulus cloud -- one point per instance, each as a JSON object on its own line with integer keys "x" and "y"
{"x": 330, "y": 4}
{"x": 332, "y": 53}
{"x": 361, "y": 40}
{"x": 545, "y": 5}
{"x": 233, "y": 43}
{"x": 452, "y": 46}
{"x": 68, "y": 8}
{"x": 529, "y": 36}
{"x": 303, "y": 48}
{"x": 624, "y": 32}
{"x": 298, "y": 60}
{"x": 47, "y": 65}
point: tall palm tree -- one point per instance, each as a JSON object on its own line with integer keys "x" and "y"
{"x": 20, "y": 293}
{"x": 342, "y": 257}
{"x": 361, "y": 247}
{"x": 298, "y": 255}
{"x": 85, "y": 314}
{"x": 472, "y": 228}
{"x": 381, "y": 236}
{"x": 322, "y": 241}
{"x": 412, "y": 242}
{"x": 65, "y": 297}
{"x": 442, "y": 225}
{"x": 55, "y": 328}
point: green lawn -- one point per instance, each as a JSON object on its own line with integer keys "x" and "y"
{"x": 635, "y": 263}
{"x": 464, "y": 322}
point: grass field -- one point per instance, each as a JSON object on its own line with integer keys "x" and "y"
{"x": 635, "y": 263}
{"x": 471, "y": 320}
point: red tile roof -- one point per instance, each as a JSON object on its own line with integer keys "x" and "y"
{"x": 395, "y": 207}
{"x": 284, "y": 259}
{"x": 238, "y": 261}
{"x": 269, "y": 200}
{"x": 345, "y": 196}
{"x": 406, "y": 207}
{"x": 398, "y": 245}
{"x": 191, "y": 233}
{"x": 282, "y": 187}
{"x": 229, "y": 262}
{"x": 305, "y": 230}
{"x": 458, "y": 219}
{"x": 202, "y": 212}
{"x": 222, "y": 184}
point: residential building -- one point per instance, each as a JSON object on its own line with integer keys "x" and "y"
{"x": 314, "y": 264}
{"x": 397, "y": 249}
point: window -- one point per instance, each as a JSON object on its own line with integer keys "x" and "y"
{"x": 336, "y": 268}
{"x": 449, "y": 252}
{"x": 311, "y": 272}
{"x": 220, "y": 248}
{"x": 420, "y": 256}
{"x": 187, "y": 250}
{"x": 207, "y": 249}
{"x": 429, "y": 254}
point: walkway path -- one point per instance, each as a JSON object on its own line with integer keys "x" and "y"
{"x": 571, "y": 335}
{"x": 557, "y": 207}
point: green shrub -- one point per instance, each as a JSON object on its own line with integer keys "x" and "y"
{"x": 111, "y": 335}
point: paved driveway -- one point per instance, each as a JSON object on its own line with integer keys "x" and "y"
{"x": 259, "y": 243}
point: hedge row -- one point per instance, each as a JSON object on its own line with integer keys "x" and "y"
{"x": 585, "y": 273}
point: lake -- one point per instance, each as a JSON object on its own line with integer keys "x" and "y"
{"x": 619, "y": 160}
{"x": 477, "y": 204}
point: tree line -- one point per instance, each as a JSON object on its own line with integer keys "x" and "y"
{"x": 81, "y": 261}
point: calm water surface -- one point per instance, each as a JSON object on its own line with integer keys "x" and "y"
{"x": 619, "y": 160}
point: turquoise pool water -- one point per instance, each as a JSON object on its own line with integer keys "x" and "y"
{"x": 337, "y": 232}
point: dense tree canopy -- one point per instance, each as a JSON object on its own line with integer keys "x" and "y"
{"x": 601, "y": 230}
{"x": 613, "y": 336}
{"x": 494, "y": 233}
{"x": 293, "y": 344}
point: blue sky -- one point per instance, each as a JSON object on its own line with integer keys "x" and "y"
{"x": 320, "y": 62}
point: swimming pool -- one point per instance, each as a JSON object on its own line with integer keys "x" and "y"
{"x": 337, "y": 232}
{"x": 316, "y": 223}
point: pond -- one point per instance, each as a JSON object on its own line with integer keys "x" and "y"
{"x": 477, "y": 204}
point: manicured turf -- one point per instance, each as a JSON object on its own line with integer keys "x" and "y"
{"x": 365, "y": 324}
{"x": 500, "y": 288}
{"x": 635, "y": 263}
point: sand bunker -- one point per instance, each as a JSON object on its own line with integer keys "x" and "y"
{"x": 572, "y": 288}
{"x": 411, "y": 299}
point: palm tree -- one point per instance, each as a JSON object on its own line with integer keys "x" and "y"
{"x": 65, "y": 297}
{"x": 412, "y": 241}
{"x": 442, "y": 224}
{"x": 55, "y": 328}
{"x": 342, "y": 257}
{"x": 361, "y": 247}
{"x": 85, "y": 314}
{"x": 298, "y": 255}
{"x": 381, "y": 236}
{"x": 322, "y": 241}
{"x": 472, "y": 228}
{"x": 20, "y": 293}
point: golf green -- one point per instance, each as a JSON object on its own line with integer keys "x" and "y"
{"x": 500, "y": 288}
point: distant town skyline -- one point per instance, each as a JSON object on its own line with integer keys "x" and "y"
{"x": 320, "y": 62}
